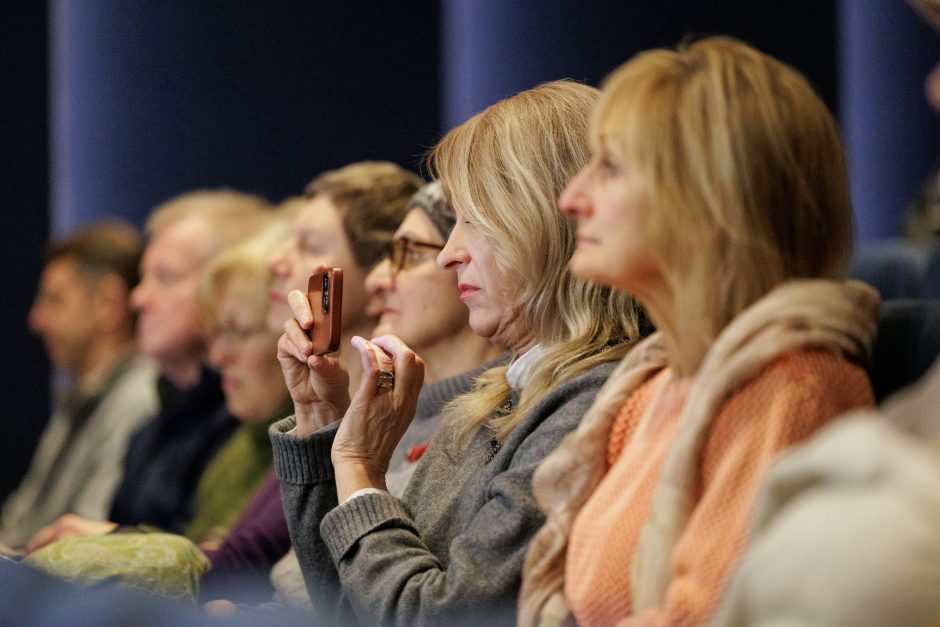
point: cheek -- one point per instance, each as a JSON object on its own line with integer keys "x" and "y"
{"x": 259, "y": 370}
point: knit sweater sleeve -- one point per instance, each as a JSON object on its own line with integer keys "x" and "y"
{"x": 308, "y": 492}
{"x": 394, "y": 571}
{"x": 793, "y": 397}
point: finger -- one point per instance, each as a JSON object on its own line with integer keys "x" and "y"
{"x": 298, "y": 339}
{"x": 368, "y": 384}
{"x": 42, "y": 537}
{"x": 409, "y": 368}
{"x": 383, "y": 359}
{"x": 300, "y": 308}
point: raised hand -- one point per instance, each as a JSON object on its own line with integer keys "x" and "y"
{"x": 378, "y": 415}
{"x": 318, "y": 384}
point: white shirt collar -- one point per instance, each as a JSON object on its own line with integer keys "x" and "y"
{"x": 517, "y": 375}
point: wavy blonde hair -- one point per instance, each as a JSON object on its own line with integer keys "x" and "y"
{"x": 245, "y": 260}
{"x": 745, "y": 172}
{"x": 505, "y": 168}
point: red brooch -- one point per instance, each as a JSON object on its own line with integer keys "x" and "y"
{"x": 416, "y": 451}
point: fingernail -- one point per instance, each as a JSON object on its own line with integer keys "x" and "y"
{"x": 358, "y": 342}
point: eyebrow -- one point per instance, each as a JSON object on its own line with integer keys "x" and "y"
{"x": 417, "y": 237}
{"x": 307, "y": 233}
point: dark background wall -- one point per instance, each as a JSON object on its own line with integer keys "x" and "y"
{"x": 111, "y": 106}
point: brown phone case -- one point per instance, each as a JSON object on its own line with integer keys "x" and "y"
{"x": 325, "y": 293}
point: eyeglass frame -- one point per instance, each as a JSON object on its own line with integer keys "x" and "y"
{"x": 405, "y": 244}
{"x": 233, "y": 336}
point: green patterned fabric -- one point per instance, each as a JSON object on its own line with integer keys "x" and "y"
{"x": 231, "y": 479}
{"x": 159, "y": 563}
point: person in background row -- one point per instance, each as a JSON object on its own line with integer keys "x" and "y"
{"x": 234, "y": 301}
{"x": 347, "y": 220}
{"x": 83, "y": 314}
{"x": 717, "y": 194}
{"x": 421, "y": 306}
{"x": 166, "y": 458}
{"x": 450, "y": 549}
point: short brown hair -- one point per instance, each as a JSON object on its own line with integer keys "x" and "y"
{"x": 108, "y": 247}
{"x": 372, "y": 197}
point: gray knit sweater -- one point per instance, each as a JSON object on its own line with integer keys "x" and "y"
{"x": 451, "y": 549}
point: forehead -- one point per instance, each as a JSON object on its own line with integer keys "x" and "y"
{"x": 417, "y": 225}
{"x": 242, "y": 298}
{"x": 318, "y": 217}
{"x": 61, "y": 274}
{"x": 182, "y": 243}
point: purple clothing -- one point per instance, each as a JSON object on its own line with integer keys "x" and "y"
{"x": 241, "y": 564}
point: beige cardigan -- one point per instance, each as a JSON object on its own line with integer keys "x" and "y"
{"x": 841, "y": 318}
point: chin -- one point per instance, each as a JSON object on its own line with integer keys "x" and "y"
{"x": 277, "y": 316}
{"x": 384, "y": 329}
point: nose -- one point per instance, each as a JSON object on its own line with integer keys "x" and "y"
{"x": 219, "y": 353}
{"x": 455, "y": 252}
{"x": 277, "y": 260}
{"x": 36, "y": 318}
{"x": 139, "y": 294}
{"x": 381, "y": 279}
{"x": 574, "y": 201}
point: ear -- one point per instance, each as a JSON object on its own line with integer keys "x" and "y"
{"x": 111, "y": 301}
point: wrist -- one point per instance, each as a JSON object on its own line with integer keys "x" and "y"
{"x": 314, "y": 416}
{"x": 354, "y": 475}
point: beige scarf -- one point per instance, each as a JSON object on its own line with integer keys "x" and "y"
{"x": 841, "y": 318}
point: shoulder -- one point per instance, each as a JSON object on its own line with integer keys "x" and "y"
{"x": 812, "y": 373}
{"x": 802, "y": 389}
{"x": 576, "y": 391}
{"x": 132, "y": 398}
{"x": 559, "y": 412}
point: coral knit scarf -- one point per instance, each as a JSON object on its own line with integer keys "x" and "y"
{"x": 841, "y": 318}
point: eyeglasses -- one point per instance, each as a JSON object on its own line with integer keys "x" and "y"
{"x": 404, "y": 253}
{"x": 233, "y": 336}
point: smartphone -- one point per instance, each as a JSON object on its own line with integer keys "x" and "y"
{"x": 325, "y": 293}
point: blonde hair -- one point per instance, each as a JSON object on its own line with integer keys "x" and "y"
{"x": 745, "y": 172}
{"x": 505, "y": 168}
{"x": 246, "y": 261}
{"x": 372, "y": 197}
{"x": 232, "y": 216}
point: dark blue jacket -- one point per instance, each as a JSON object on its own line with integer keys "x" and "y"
{"x": 167, "y": 457}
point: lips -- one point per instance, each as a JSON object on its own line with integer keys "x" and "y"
{"x": 230, "y": 384}
{"x": 467, "y": 290}
{"x": 276, "y": 297}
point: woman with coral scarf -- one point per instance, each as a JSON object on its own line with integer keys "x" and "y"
{"x": 717, "y": 195}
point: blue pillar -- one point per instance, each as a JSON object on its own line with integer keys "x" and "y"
{"x": 492, "y": 49}
{"x": 151, "y": 98}
{"x": 892, "y": 136}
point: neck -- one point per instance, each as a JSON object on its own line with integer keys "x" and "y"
{"x": 101, "y": 359}
{"x": 520, "y": 347}
{"x": 680, "y": 336}
{"x": 183, "y": 374}
{"x": 455, "y": 355}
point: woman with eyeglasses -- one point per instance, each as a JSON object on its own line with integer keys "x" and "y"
{"x": 451, "y": 548}
{"x": 421, "y": 305}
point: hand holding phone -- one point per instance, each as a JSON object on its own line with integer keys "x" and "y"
{"x": 325, "y": 293}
